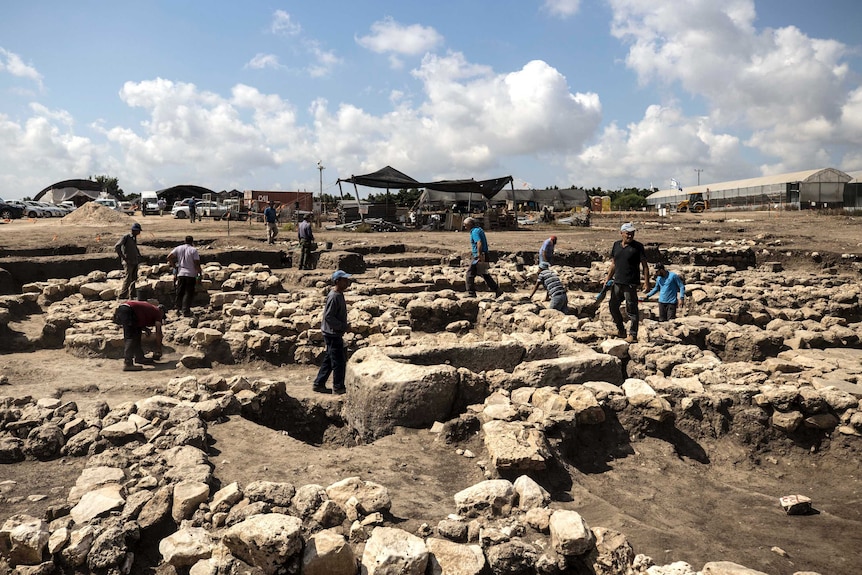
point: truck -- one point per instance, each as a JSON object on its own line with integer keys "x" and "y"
{"x": 695, "y": 203}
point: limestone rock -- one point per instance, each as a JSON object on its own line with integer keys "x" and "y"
{"x": 449, "y": 558}
{"x": 392, "y": 550}
{"x": 493, "y": 497}
{"x": 186, "y": 547}
{"x": 266, "y": 541}
{"x": 570, "y": 534}
{"x": 328, "y": 553}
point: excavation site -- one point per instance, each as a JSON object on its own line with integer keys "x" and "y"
{"x": 482, "y": 434}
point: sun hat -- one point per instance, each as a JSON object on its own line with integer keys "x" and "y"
{"x": 544, "y": 265}
{"x": 136, "y": 227}
{"x": 339, "y": 274}
{"x": 469, "y": 221}
{"x": 628, "y": 227}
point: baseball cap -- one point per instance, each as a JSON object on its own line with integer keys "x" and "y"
{"x": 659, "y": 266}
{"x": 339, "y": 274}
{"x": 628, "y": 227}
{"x": 554, "y": 239}
{"x": 136, "y": 227}
{"x": 544, "y": 265}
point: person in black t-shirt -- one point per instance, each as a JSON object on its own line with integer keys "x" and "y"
{"x": 628, "y": 258}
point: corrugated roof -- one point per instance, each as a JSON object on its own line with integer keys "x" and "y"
{"x": 747, "y": 183}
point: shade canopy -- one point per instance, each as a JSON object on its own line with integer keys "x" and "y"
{"x": 390, "y": 178}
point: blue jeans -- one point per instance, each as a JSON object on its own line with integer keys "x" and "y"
{"x": 559, "y": 303}
{"x": 334, "y": 362}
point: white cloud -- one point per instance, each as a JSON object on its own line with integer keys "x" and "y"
{"x": 42, "y": 150}
{"x": 471, "y": 120}
{"x": 665, "y": 143}
{"x": 283, "y": 24}
{"x": 562, "y": 8}
{"x": 789, "y": 90}
{"x": 324, "y": 60}
{"x": 14, "y": 65}
{"x": 262, "y": 61}
{"x": 388, "y": 36}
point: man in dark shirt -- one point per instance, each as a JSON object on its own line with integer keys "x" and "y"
{"x": 270, "y": 220}
{"x": 136, "y": 317}
{"x": 127, "y": 251}
{"x": 628, "y": 258}
{"x": 334, "y": 326}
{"x": 306, "y": 243}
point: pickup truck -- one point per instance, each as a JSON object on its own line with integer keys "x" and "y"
{"x": 203, "y": 209}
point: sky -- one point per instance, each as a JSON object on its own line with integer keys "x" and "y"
{"x": 593, "y": 93}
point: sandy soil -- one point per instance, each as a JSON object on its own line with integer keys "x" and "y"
{"x": 672, "y": 504}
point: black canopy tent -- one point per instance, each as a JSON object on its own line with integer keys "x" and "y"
{"x": 390, "y": 178}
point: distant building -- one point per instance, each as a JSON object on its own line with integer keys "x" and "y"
{"x": 809, "y": 189}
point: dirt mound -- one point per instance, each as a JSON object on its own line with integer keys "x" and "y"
{"x": 93, "y": 213}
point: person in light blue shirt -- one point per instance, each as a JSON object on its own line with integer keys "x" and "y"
{"x": 546, "y": 252}
{"x": 667, "y": 284}
{"x": 479, "y": 262}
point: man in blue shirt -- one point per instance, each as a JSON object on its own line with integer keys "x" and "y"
{"x": 546, "y": 252}
{"x": 270, "y": 218}
{"x": 667, "y": 284}
{"x": 479, "y": 263}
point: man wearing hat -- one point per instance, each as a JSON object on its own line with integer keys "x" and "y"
{"x": 667, "y": 284}
{"x": 554, "y": 286}
{"x": 135, "y": 317}
{"x": 127, "y": 251}
{"x": 628, "y": 258}
{"x": 546, "y": 252}
{"x": 334, "y": 326}
{"x": 479, "y": 263}
{"x": 270, "y": 219}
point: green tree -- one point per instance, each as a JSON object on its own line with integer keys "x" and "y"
{"x": 630, "y": 200}
{"x": 110, "y": 185}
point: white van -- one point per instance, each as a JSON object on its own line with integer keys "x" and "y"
{"x": 149, "y": 203}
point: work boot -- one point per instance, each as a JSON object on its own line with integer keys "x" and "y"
{"x": 145, "y": 361}
{"x": 132, "y": 367}
{"x": 321, "y": 389}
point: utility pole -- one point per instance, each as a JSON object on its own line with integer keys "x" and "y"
{"x": 698, "y": 170}
{"x": 321, "y": 168}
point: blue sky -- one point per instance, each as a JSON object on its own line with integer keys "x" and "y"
{"x": 611, "y": 93}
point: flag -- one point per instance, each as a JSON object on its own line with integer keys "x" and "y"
{"x": 675, "y": 184}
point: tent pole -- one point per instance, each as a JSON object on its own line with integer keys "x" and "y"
{"x": 341, "y": 193}
{"x": 514, "y": 203}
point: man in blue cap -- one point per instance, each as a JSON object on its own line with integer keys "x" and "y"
{"x": 130, "y": 256}
{"x": 334, "y": 326}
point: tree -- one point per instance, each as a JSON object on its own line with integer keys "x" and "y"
{"x": 110, "y": 185}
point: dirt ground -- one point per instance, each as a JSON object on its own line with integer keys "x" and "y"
{"x": 671, "y": 506}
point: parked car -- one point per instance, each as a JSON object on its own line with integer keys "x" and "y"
{"x": 109, "y": 203}
{"x": 203, "y": 209}
{"x": 29, "y": 211}
{"x": 53, "y": 211}
{"x": 10, "y": 211}
{"x": 127, "y": 208}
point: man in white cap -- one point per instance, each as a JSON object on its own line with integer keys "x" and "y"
{"x": 334, "y": 326}
{"x": 628, "y": 258}
{"x": 479, "y": 262}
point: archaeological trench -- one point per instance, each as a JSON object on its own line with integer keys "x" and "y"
{"x": 760, "y": 357}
